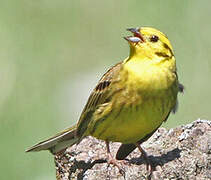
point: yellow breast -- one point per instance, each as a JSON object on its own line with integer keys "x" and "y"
{"x": 148, "y": 96}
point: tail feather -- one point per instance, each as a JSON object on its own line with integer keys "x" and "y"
{"x": 58, "y": 142}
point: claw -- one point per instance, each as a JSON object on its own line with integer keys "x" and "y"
{"x": 115, "y": 162}
{"x": 148, "y": 163}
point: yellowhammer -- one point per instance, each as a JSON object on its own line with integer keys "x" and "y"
{"x": 131, "y": 100}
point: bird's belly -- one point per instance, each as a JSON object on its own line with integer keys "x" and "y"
{"x": 131, "y": 123}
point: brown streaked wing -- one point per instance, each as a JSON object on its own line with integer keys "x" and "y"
{"x": 98, "y": 96}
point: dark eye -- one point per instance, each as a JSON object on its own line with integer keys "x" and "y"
{"x": 154, "y": 38}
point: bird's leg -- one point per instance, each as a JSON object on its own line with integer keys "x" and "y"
{"x": 112, "y": 160}
{"x": 144, "y": 154}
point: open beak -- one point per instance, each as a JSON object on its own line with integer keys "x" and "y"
{"x": 137, "y": 35}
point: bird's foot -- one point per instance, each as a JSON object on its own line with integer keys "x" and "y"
{"x": 149, "y": 165}
{"x": 118, "y": 163}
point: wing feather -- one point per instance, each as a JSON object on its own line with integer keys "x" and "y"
{"x": 99, "y": 96}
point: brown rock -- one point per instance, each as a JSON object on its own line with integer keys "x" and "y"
{"x": 180, "y": 153}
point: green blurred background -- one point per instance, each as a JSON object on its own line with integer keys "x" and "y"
{"x": 53, "y": 52}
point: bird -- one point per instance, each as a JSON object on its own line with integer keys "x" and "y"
{"x": 131, "y": 100}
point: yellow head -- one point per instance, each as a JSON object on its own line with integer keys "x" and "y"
{"x": 149, "y": 43}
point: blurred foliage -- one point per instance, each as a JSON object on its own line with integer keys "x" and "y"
{"x": 53, "y": 52}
